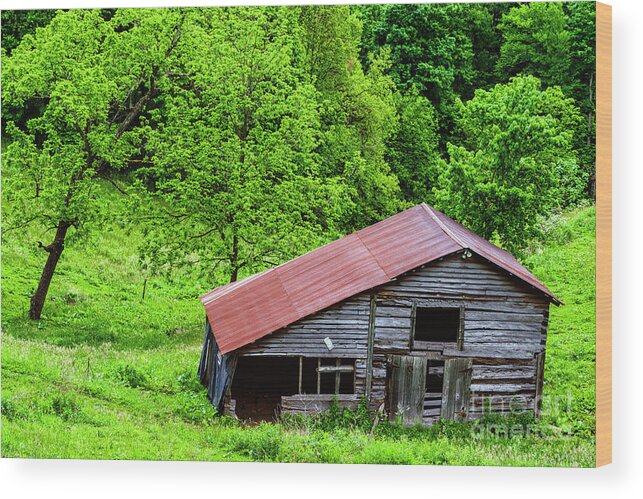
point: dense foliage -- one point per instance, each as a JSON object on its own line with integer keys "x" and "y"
{"x": 245, "y": 136}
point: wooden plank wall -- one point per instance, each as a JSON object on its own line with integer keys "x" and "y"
{"x": 505, "y": 325}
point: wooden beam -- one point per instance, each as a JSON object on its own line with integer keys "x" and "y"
{"x": 369, "y": 348}
{"x": 336, "y": 369}
{"x": 337, "y": 376}
{"x": 461, "y": 329}
{"x": 318, "y": 376}
{"x": 413, "y": 319}
{"x": 301, "y": 368}
{"x": 540, "y": 378}
{"x": 489, "y": 353}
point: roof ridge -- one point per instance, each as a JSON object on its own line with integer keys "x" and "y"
{"x": 444, "y": 228}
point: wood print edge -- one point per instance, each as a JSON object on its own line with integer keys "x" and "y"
{"x": 603, "y": 234}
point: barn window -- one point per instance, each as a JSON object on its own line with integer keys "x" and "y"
{"x": 438, "y": 325}
{"x": 327, "y": 376}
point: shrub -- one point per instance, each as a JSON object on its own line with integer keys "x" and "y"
{"x": 128, "y": 375}
{"x": 12, "y": 410}
{"x": 335, "y": 418}
{"x": 188, "y": 381}
{"x": 261, "y": 443}
{"x": 66, "y": 407}
{"x": 195, "y": 408}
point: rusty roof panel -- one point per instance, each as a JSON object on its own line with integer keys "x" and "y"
{"x": 244, "y": 311}
{"x": 250, "y": 311}
{"x": 406, "y": 240}
{"x": 330, "y": 274}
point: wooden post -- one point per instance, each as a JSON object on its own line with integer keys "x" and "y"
{"x": 318, "y": 376}
{"x": 413, "y": 316}
{"x": 337, "y": 375}
{"x": 369, "y": 351}
{"x": 540, "y": 377}
{"x": 301, "y": 362}
{"x": 461, "y": 329}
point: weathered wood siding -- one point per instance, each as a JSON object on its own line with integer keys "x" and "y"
{"x": 505, "y": 325}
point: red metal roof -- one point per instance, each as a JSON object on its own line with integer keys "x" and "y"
{"x": 244, "y": 311}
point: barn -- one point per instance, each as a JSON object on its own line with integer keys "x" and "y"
{"x": 417, "y": 314}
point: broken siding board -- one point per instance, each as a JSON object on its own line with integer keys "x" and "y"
{"x": 456, "y": 389}
{"x": 407, "y": 387}
{"x": 312, "y": 404}
{"x": 490, "y": 352}
{"x": 505, "y": 372}
{"x": 499, "y": 388}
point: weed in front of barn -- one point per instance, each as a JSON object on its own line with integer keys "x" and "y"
{"x": 107, "y": 374}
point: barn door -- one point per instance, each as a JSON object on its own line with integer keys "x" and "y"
{"x": 456, "y": 388}
{"x": 407, "y": 382}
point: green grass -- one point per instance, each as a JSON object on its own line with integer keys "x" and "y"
{"x": 107, "y": 375}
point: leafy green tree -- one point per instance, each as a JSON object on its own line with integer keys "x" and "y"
{"x": 581, "y": 84}
{"x": 94, "y": 79}
{"x": 413, "y": 153}
{"x": 430, "y": 47}
{"x": 514, "y": 161}
{"x": 235, "y": 171}
{"x": 357, "y": 112}
{"x": 330, "y": 37}
{"x": 536, "y": 42}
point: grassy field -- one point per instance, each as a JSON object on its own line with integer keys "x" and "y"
{"x": 108, "y": 375}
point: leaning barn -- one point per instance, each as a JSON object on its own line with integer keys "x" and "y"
{"x": 415, "y": 313}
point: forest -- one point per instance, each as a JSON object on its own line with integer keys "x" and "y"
{"x": 149, "y": 155}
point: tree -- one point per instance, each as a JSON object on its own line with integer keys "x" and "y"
{"x": 94, "y": 79}
{"x": 432, "y": 48}
{"x": 581, "y": 22}
{"x": 18, "y": 23}
{"x": 413, "y": 150}
{"x": 357, "y": 112}
{"x": 556, "y": 42}
{"x": 535, "y": 42}
{"x": 513, "y": 162}
{"x": 235, "y": 175}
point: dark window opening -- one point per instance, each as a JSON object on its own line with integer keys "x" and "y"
{"x": 260, "y": 382}
{"x": 437, "y": 324}
{"x": 435, "y": 377}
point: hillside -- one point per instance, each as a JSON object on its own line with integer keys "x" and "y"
{"x": 108, "y": 374}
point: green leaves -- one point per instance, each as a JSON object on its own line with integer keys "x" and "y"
{"x": 513, "y": 162}
{"x": 536, "y": 42}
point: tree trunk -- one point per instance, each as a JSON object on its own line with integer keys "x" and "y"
{"x": 55, "y": 249}
{"x": 234, "y": 259}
